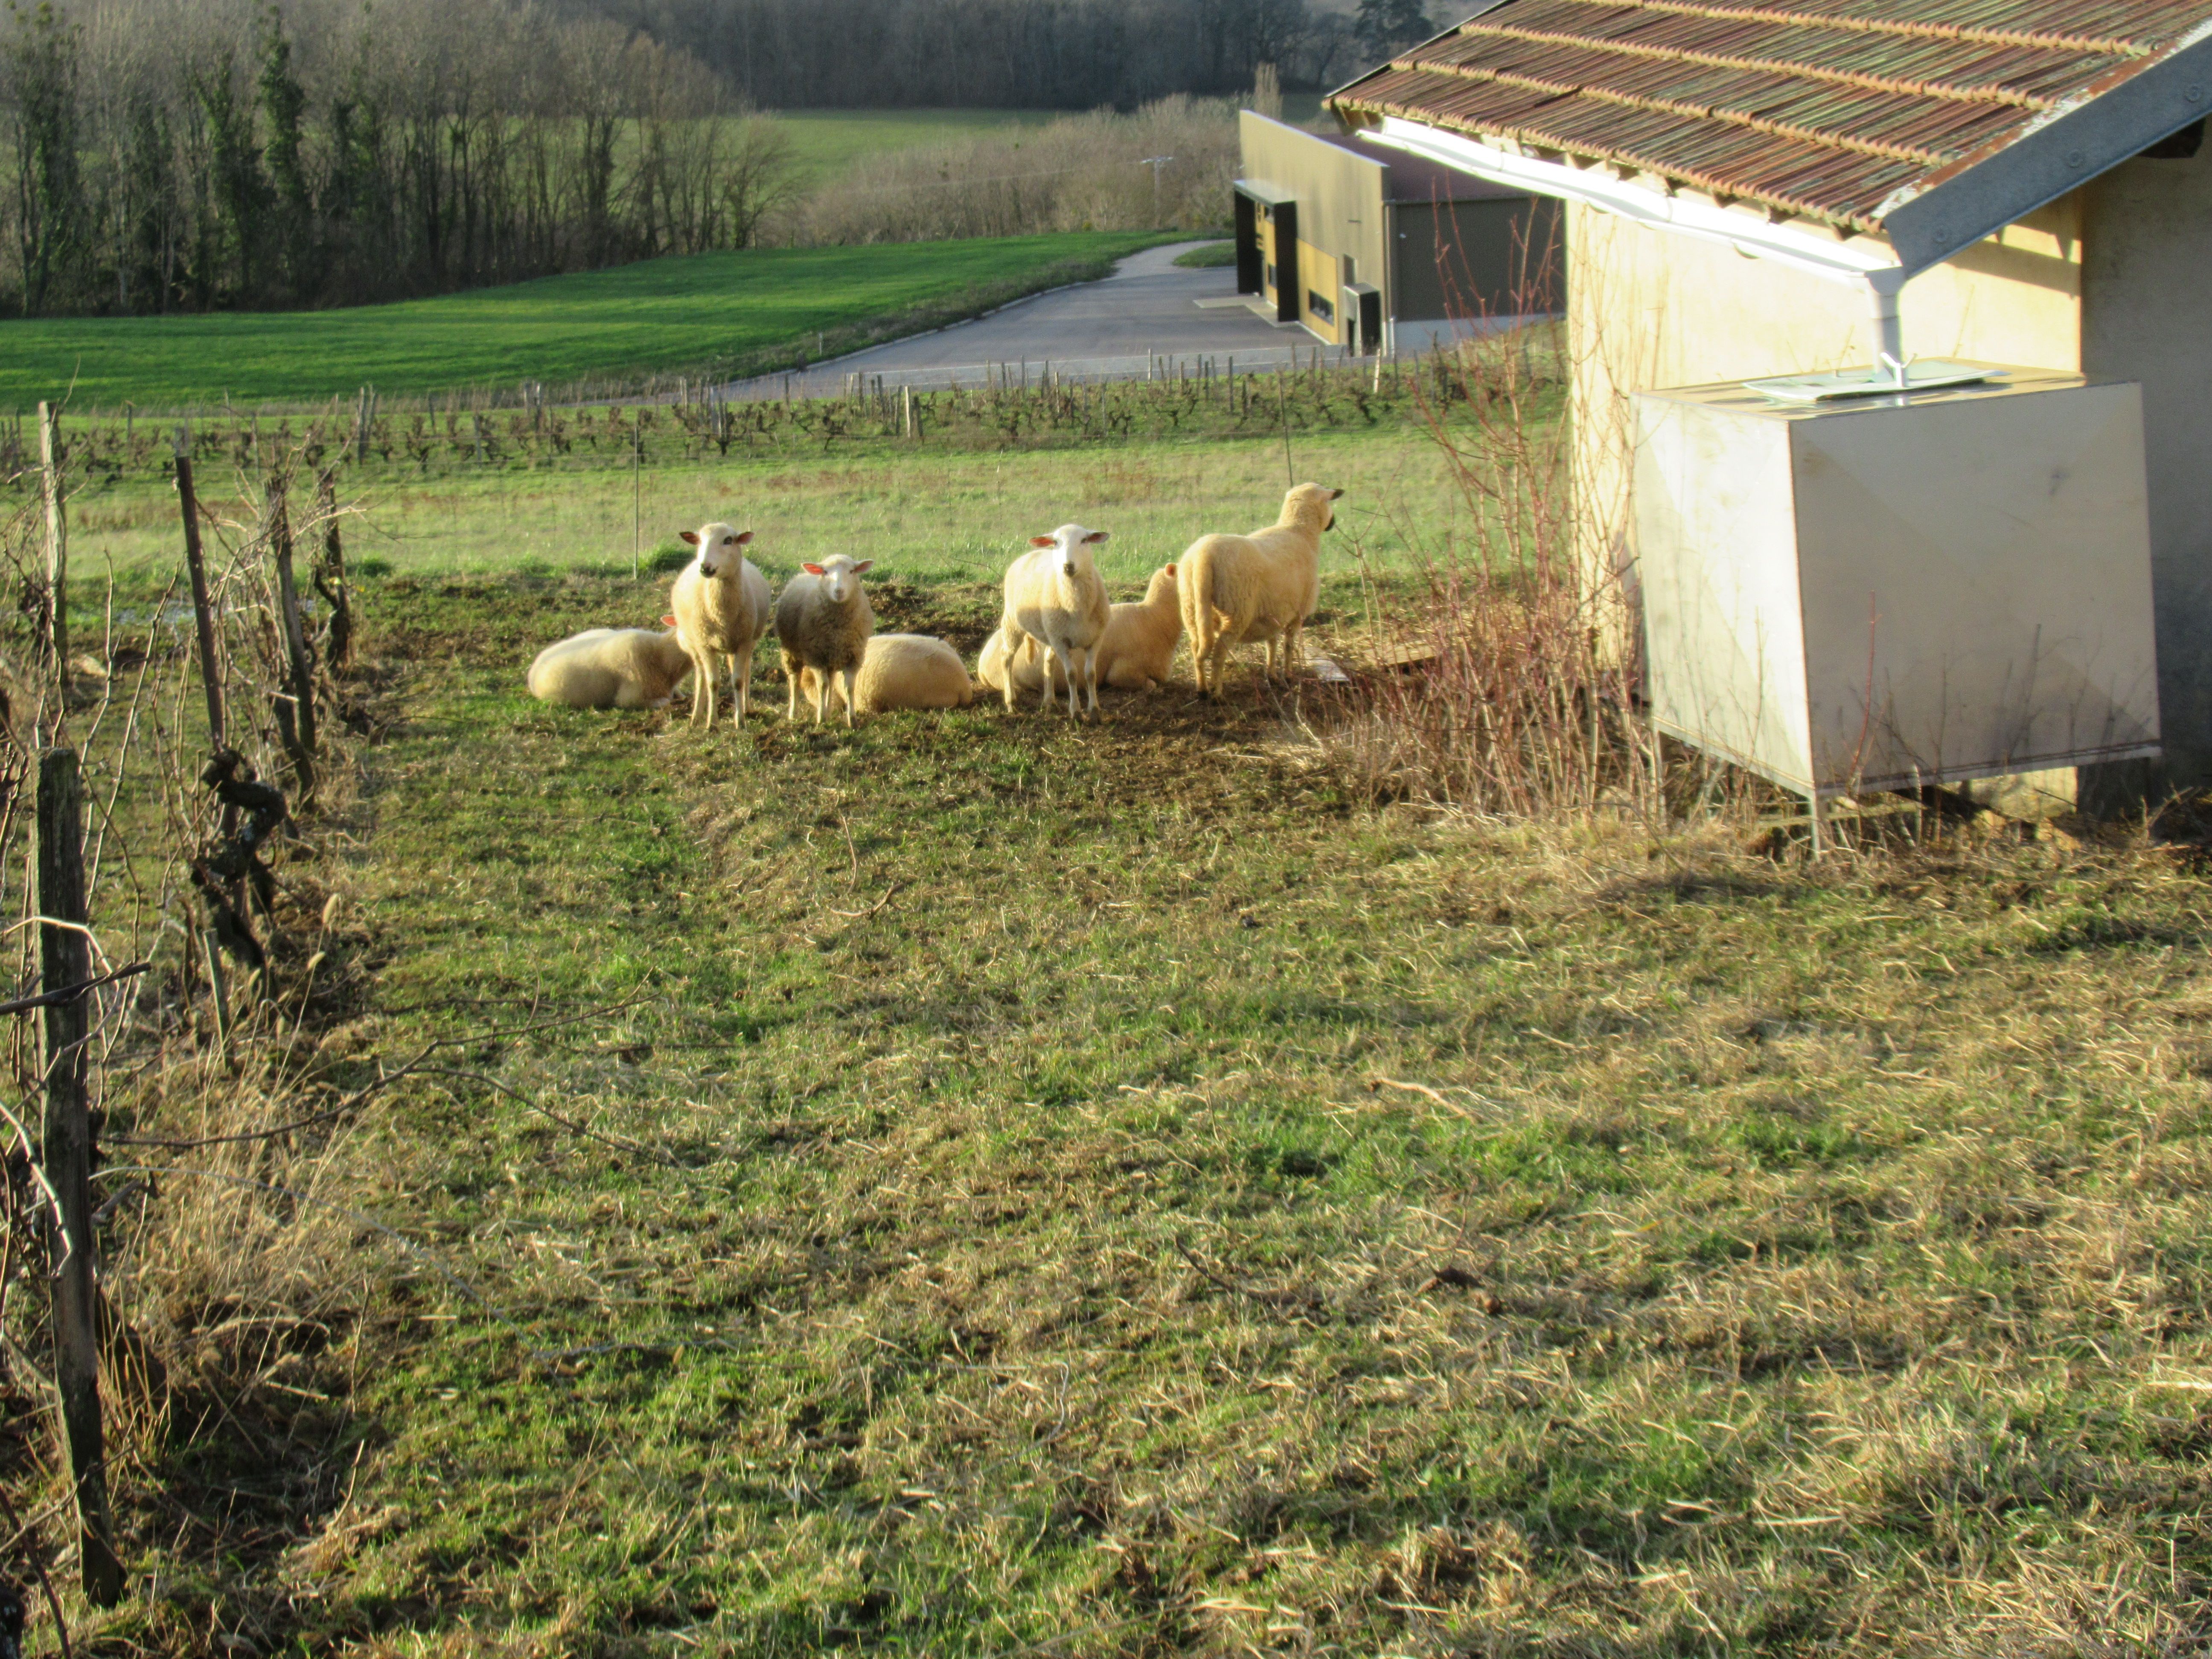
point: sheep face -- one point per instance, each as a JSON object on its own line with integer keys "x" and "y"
{"x": 840, "y": 576}
{"x": 721, "y": 548}
{"x": 1074, "y": 542}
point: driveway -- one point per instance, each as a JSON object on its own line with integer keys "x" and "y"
{"x": 1149, "y": 315}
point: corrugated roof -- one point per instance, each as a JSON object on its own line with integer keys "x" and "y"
{"x": 1834, "y": 110}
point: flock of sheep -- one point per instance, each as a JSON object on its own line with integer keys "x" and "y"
{"x": 1058, "y": 630}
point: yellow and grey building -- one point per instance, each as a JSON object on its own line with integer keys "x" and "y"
{"x": 1353, "y": 241}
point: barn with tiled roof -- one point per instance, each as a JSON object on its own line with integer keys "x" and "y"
{"x": 1764, "y": 187}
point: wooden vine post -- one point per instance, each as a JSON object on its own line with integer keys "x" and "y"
{"x": 50, "y": 475}
{"x": 65, "y": 960}
{"x": 330, "y": 577}
{"x": 195, "y": 569}
{"x": 295, "y": 703}
{"x": 212, "y": 684}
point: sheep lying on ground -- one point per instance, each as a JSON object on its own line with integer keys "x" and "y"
{"x": 1133, "y": 653}
{"x": 1054, "y": 596}
{"x": 906, "y": 671}
{"x": 721, "y": 609}
{"x": 1010, "y": 661}
{"x": 822, "y": 622}
{"x": 611, "y": 668}
{"x": 1240, "y": 589}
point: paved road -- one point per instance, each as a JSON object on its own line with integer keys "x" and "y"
{"x": 1148, "y": 312}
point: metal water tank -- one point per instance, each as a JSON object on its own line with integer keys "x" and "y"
{"x": 1882, "y": 592}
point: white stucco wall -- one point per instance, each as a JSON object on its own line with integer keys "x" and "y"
{"x": 2147, "y": 316}
{"x": 1648, "y": 309}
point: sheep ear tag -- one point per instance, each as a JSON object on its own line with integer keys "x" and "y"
{"x": 690, "y": 536}
{"x": 811, "y": 569}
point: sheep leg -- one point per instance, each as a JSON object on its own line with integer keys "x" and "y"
{"x": 743, "y": 673}
{"x": 702, "y": 681}
{"x": 790, "y": 673}
{"x": 852, "y": 693}
{"x": 1060, "y": 661}
{"x": 1290, "y": 651}
{"x": 1090, "y": 678}
{"x": 822, "y": 680}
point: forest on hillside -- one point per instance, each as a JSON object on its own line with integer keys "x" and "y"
{"x": 196, "y": 154}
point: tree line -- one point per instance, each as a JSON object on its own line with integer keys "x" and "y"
{"x": 1007, "y": 54}
{"x": 192, "y": 154}
{"x": 198, "y": 155}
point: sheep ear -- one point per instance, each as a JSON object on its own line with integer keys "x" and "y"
{"x": 1169, "y": 568}
{"x": 1095, "y": 535}
{"x": 738, "y": 540}
{"x": 811, "y": 569}
{"x": 1043, "y": 541}
{"x": 690, "y": 536}
{"x": 864, "y": 566}
{"x": 668, "y": 621}
{"x": 1336, "y": 495}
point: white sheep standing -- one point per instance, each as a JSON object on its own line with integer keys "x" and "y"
{"x": 906, "y": 671}
{"x": 823, "y": 620}
{"x": 1239, "y": 589}
{"x": 1134, "y": 654}
{"x": 1054, "y": 596}
{"x": 611, "y": 668}
{"x": 721, "y": 607}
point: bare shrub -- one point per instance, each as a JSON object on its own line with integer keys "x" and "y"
{"x": 1501, "y": 682}
{"x": 1081, "y": 172}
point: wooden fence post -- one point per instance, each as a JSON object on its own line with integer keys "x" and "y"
{"x": 330, "y": 575}
{"x": 50, "y": 473}
{"x": 295, "y": 704}
{"x": 65, "y": 960}
{"x": 203, "y": 611}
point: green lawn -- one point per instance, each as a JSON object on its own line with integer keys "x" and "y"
{"x": 1109, "y": 1193}
{"x": 713, "y": 309}
{"x": 976, "y": 1185}
{"x": 826, "y": 142}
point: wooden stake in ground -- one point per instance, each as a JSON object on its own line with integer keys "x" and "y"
{"x": 330, "y": 575}
{"x": 65, "y": 960}
{"x": 636, "y": 497}
{"x": 203, "y": 610}
{"x": 295, "y": 706}
{"x": 50, "y": 474}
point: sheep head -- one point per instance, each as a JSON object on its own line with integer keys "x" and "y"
{"x": 720, "y": 547}
{"x": 1161, "y": 590}
{"x": 840, "y": 576}
{"x": 1074, "y": 542}
{"x": 1311, "y": 504}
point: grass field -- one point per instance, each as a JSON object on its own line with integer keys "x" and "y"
{"x": 977, "y": 1186}
{"x": 826, "y": 142}
{"x": 927, "y": 517}
{"x": 712, "y": 310}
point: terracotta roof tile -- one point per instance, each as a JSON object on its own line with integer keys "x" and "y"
{"x": 1824, "y": 109}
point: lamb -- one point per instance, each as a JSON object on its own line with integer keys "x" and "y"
{"x": 1133, "y": 653}
{"x": 1054, "y": 596}
{"x": 611, "y": 668}
{"x": 721, "y": 609}
{"x": 823, "y": 620}
{"x": 907, "y": 670}
{"x": 1238, "y": 589}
